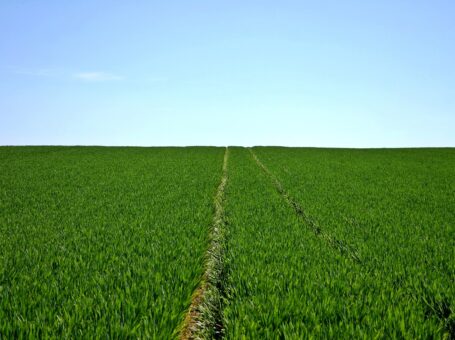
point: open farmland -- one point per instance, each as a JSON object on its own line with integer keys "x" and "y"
{"x": 350, "y": 243}
{"x": 264, "y": 242}
{"x": 102, "y": 241}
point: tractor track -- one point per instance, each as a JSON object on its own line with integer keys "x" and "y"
{"x": 203, "y": 319}
{"x": 344, "y": 248}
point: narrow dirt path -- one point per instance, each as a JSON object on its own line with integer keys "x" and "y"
{"x": 341, "y": 246}
{"x": 203, "y": 319}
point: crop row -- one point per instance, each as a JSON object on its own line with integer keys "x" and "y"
{"x": 102, "y": 241}
{"x": 397, "y": 208}
{"x": 283, "y": 280}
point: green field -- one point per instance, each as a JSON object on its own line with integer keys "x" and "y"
{"x": 267, "y": 242}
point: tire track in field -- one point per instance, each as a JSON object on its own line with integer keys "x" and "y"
{"x": 204, "y": 317}
{"x": 341, "y": 246}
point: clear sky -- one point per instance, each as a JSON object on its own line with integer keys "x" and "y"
{"x": 299, "y": 73}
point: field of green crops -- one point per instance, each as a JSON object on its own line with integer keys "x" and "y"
{"x": 323, "y": 243}
{"x": 100, "y": 241}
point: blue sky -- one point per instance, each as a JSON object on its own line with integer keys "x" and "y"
{"x": 297, "y": 73}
